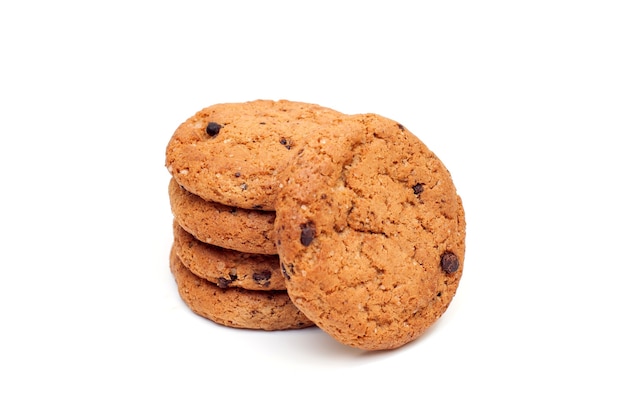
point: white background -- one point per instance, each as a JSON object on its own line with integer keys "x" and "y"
{"x": 525, "y": 103}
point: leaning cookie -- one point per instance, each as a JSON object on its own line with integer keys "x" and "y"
{"x": 249, "y": 231}
{"x": 228, "y": 268}
{"x": 234, "y": 307}
{"x": 232, "y": 153}
{"x": 371, "y": 235}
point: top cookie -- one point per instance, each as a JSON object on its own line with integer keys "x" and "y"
{"x": 232, "y": 153}
{"x": 371, "y": 235}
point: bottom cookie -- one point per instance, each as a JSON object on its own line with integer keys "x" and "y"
{"x": 234, "y": 307}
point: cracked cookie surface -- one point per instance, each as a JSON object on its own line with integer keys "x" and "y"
{"x": 245, "y": 230}
{"x": 232, "y": 153}
{"x": 235, "y": 307}
{"x": 227, "y": 268}
{"x": 371, "y": 235}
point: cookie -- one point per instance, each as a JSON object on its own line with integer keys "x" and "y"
{"x": 232, "y": 153}
{"x": 234, "y": 307}
{"x": 227, "y": 268}
{"x": 371, "y": 235}
{"x": 249, "y": 231}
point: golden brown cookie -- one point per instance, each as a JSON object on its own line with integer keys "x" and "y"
{"x": 232, "y": 153}
{"x": 249, "y": 231}
{"x": 371, "y": 235}
{"x": 227, "y": 268}
{"x": 234, "y": 307}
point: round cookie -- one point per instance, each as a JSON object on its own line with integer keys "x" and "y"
{"x": 234, "y": 307}
{"x": 232, "y": 153}
{"x": 227, "y": 268}
{"x": 371, "y": 235}
{"x": 245, "y": 230}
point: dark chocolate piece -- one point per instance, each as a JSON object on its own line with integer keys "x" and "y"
{"x": 449, "y": 262}
{"x": 285, "y": 143}
{"x": 418, "y": 188}
{"x": 263, "y": 277}
{"x": 223, "y": 283}
{"x": 213, "y": 128}
{"x": 284, "y": 270}
{"x": 307, "y": 233}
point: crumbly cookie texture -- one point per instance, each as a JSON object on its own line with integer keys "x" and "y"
{"x": 371, "y": 235}
{"x": 234, "y": 307}
{"x": 227, "y": 268}
{"x": 232, "y": 153}
{"x": 245, "y": 230}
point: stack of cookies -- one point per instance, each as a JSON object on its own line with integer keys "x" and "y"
{"x": 289, "y": 215}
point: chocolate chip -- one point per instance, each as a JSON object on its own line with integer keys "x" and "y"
{"x": 237, "y": 174}
{"x": 213, "y": 128}
{"x": 284, "y": 270}
{"x": 418, "y": 188}
{"x": 263, "y": 277}
{"x": 233, "y": 276}
{"x": 223, "y": 283}
{"x": 285, "y": 143}
{"x": 449, "y": 262}
{"x": 400, "y": 126}
{"x": 307, "y": 233}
